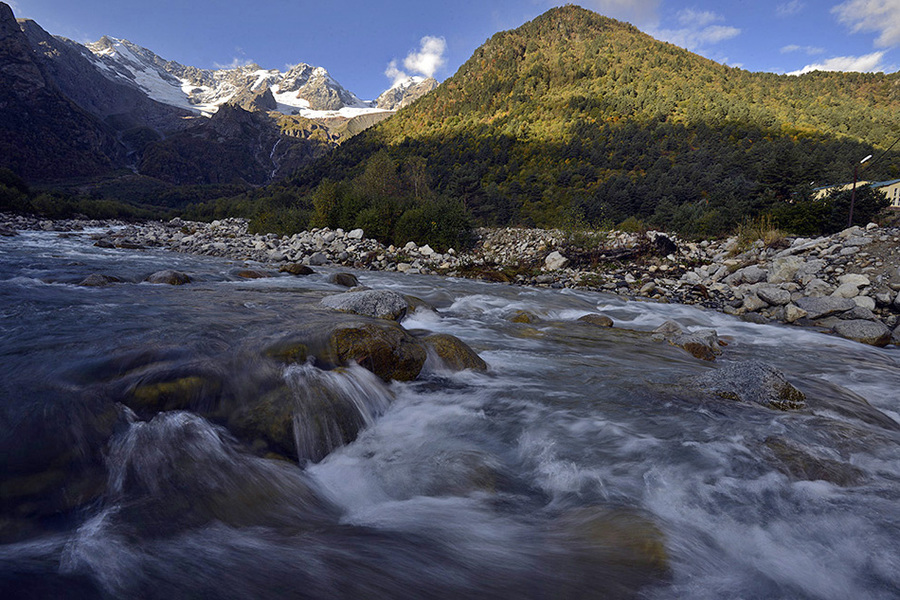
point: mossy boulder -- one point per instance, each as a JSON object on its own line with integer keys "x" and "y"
{"x": 334, "y": 340}
{"x": 198, "y": 392}
{"x": 389, "y": 352}
{"x": 524, "y": 316}
{"x": 453, "y": 352}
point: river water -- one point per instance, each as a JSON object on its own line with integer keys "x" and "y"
{"x": 582, "y": 464}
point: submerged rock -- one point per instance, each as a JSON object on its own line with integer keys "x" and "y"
{"x": 381, "y": 304}
{"x": 98, "y": 280}
{"x": 168, "y": 277}
{"x": 751, "y": 381}
{"x": 799, "y": 464}
{"x": 596, "y": 319}
{"x": 347, "y": 280}
{"x": 524, "y": 316}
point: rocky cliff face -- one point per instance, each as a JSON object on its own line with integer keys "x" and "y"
{"x": 405, "y": 93}
{"x": 233, "y": 146}
{"x": 43, "y": 134}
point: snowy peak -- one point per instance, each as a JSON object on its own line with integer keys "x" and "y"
{"x": 404, "y": 92}
{"x": 304, "y": 89}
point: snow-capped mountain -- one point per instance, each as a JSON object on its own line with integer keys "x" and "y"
{"x": 405, "y": 92}
{"x": 304, "y": 89}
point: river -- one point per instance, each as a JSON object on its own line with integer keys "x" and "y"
{"x": 582, "y": 464}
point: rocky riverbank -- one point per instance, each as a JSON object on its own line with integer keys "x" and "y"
{"x": 847, "y": 283}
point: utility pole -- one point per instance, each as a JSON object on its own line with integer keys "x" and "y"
{"x": 853, "y": 193}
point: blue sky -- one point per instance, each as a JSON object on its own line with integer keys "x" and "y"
{"x": 364, "y": 45}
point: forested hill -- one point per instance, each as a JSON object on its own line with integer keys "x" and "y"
{"x": 577, "y": 116}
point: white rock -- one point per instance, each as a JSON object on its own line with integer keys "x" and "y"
{"x": 555, "y": 261}
{"x": 410, "y": 247}
{"x": 846, "y": 290}
{"x": 855, "y": 279}
{"x": 356, "y": 234}
{"x": 426, "y": 250}
{"x": 792, "y": 312}
{"x": 865, "y": 302}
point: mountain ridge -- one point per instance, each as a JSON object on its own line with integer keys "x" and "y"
{"x": 575, "y": 117}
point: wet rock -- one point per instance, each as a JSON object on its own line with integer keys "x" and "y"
{"x": 453, "y": 352}
{"x": 620, "y": 548}
{"x": 800, "y": 464}
{"x": 51, "y": 454}
{"x": 597, "y": 319}
{"x": 817, "y": 308}
{"x": 751, "y": 381}
{"x": 317, "y": 259}
{"x": 98, "y": 280}
{"x": 390, "y": 353}
{"x": 296, "y": 269}
{"x": 524, "y": 316}
{"x": 172, "y": 391}
{"x": 381, "y": 304}
{"x": 702, "y": 344}
{"x": 895, "y": 337}
{"x": 347, "y": 280}
{"x": 7, "y": 231}
{"x": 168, "y": 277}
{"x": 252, "y": 274}
{"x": 874, "y": 333}
{"x": 204, "y": 478}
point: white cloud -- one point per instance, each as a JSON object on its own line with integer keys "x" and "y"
{"x": 236, "y": 63}
{"x": 880, "y": 16}
{"x": 866, "y": 64}
{"x": 424, "y": 63}
{"x": 697, "y": 18}
{"x": 697, "y": 31}
{"x": 810, "y": 50}
{"x": 639, "y": 12}
{"x": 787, "y": 9}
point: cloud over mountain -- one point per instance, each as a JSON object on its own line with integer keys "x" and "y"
{"x": 422, "y": 63}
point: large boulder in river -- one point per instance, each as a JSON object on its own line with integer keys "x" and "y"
{"x": 751, "y": 381}
{"x": 454, "y": 353}
{"x": 169, "y": 277}
{"x": 381, "y": 304}
{"x": 702, "y": 343}
{"x": 379, "y": 345}
{"x": 874, "y": 333}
